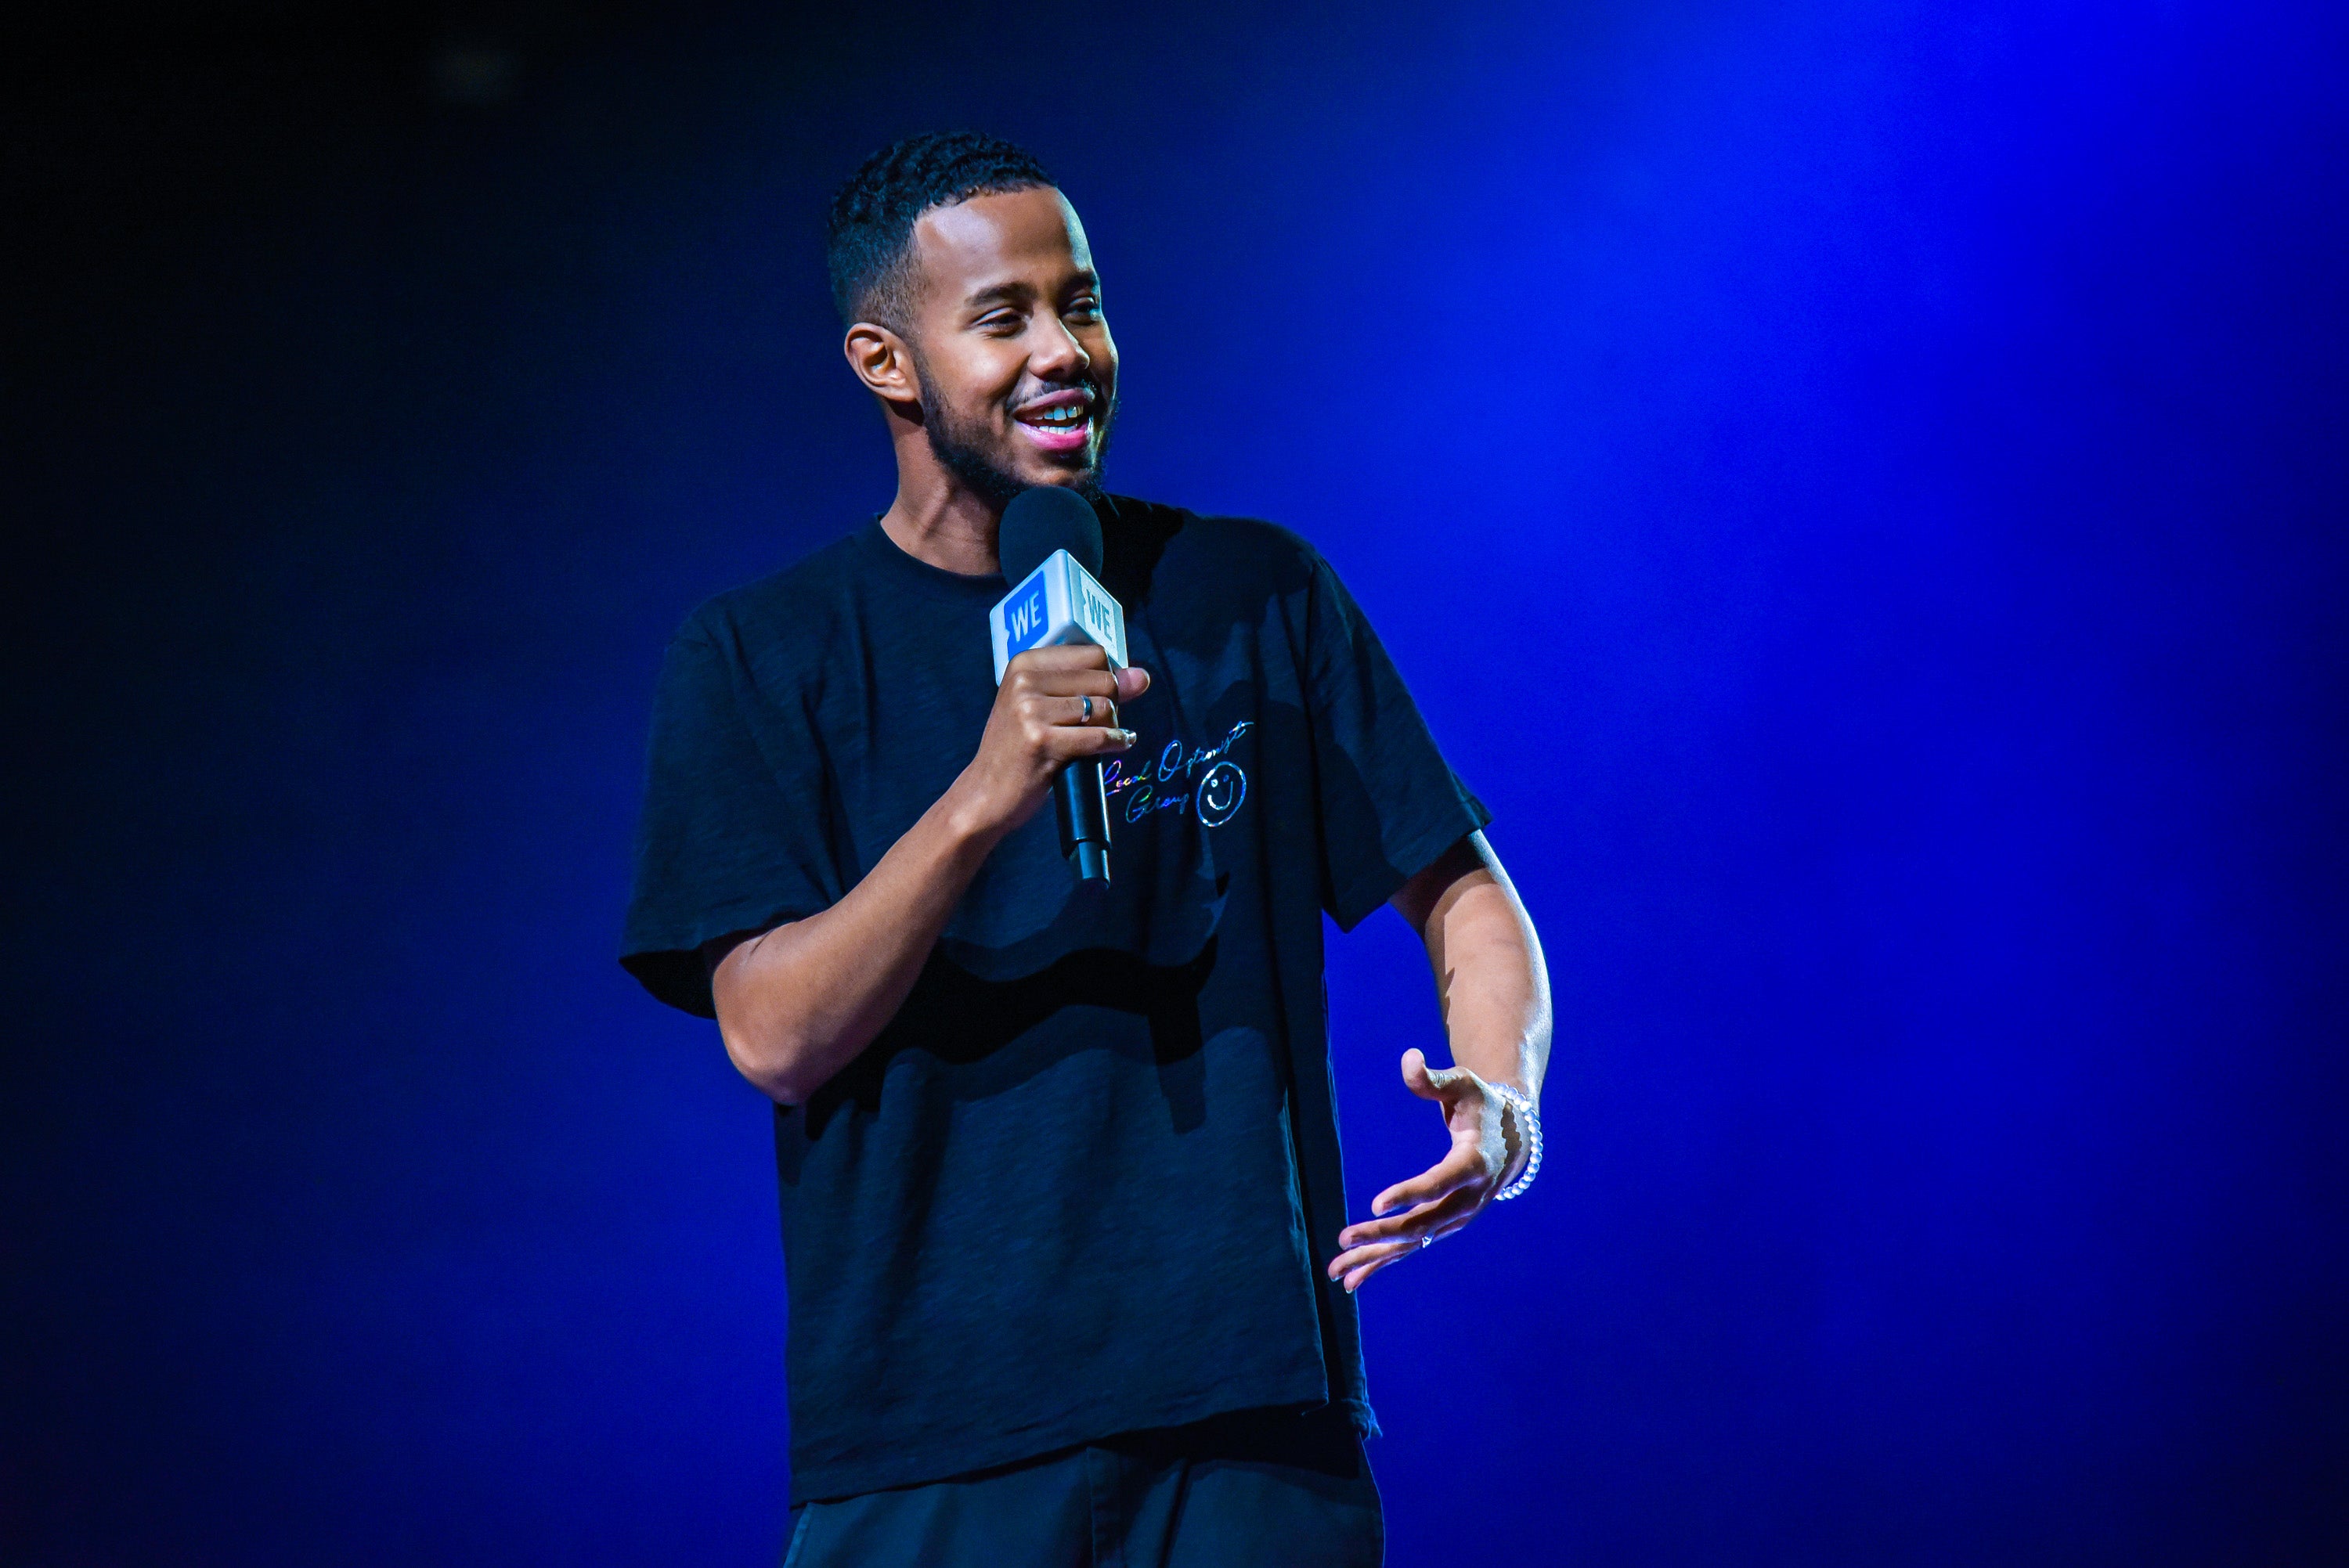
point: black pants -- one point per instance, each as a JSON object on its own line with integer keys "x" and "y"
{"x": 1257, "y": 1488}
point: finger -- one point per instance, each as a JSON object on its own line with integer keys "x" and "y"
{"x": 1107, "y": 687}
{"x": 1353, "y": 1278}
{"x": 1427, "y": 1082}
{"x": 1083, "y": 708}
{"x": 1070, "y": 742}
{"x": 1447, "y": 1175}
{"x": 1455, "y": 1168}
{"x": 1081, "y": 701}
{"x": 1401, "y": 1225}
{"x": 1427, "y": 1225}
{"x": 1371, "y": 1262}
{"x": 1099, "y": 685}
{"x": 1415, "y": 1221}
{"x": 1350, "y": 1269}
{"x": 1060, "y": 657}
{"x": 1456, "y": 1221}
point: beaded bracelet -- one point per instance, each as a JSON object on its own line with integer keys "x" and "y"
{"x": 1516, "y": 1099}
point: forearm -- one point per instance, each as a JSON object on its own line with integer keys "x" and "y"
{"x": 1490, "y": 979}
{"x": 798, "y": 1003}
{"x": 1494, "y": 990}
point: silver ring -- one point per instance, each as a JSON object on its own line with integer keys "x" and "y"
{"x": 1423, "y": 1240}
{"x": 1088, "y": 718}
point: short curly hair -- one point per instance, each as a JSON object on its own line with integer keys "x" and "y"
{"x": 869, "y": 238}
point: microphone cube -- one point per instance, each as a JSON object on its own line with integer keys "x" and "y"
{"x": 1058, "y": 603}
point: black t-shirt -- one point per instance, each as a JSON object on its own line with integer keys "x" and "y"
{"x": 1087, "y": 1180}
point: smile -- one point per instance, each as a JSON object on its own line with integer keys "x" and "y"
{"x": 1060, "y": 423}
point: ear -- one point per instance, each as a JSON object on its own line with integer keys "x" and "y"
{"x": 883, "y": 361}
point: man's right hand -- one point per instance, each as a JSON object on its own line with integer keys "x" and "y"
{"x": 1056, "y": 704}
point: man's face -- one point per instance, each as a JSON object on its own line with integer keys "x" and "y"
{"x": 1019, "y": 373}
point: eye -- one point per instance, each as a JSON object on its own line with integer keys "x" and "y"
{"x": 1085, "y": 308}
{"x": 1001, "y": 322}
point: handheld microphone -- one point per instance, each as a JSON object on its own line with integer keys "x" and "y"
{"x": 1050, "y": 547}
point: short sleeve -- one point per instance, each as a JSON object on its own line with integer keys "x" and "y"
{"x": 1389, "y": 804}
{"x": 732, "y": 838}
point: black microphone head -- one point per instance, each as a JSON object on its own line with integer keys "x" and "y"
{"x": 1044, "y": 519}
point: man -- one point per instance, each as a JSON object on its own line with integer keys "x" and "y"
{"x": 1070, "y": 1278}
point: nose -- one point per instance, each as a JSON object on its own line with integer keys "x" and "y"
{"x": 1056, "y": 355}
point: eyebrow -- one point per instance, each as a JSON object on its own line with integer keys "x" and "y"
{"x": 999, "y": 294}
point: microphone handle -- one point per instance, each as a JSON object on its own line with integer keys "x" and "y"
{"x": 1079, "y": 801}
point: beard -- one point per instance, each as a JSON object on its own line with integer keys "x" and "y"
{"x": 964, "y": 450}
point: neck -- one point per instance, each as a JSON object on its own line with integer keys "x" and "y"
{"x": 935, "y": 517}
{"x": 954, "y": 533}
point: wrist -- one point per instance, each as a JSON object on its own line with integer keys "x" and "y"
{"x": 972, "y": 823}
{"x": 1521, "y": 1129}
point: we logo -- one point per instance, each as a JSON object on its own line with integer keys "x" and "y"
{"x": 1057, "y": 602}
{"x": 1097, "y": 610}
{"x": 1023, "y": 618}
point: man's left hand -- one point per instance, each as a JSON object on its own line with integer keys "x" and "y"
{"x": 1449, "y": 1193}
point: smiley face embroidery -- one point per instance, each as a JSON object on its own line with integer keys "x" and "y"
{"x": 1221, "y": 791}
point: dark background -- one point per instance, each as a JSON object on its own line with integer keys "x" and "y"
{"x": 1858, "y": 487}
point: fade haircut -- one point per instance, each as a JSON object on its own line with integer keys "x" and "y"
{"x": 869, "y": 240}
